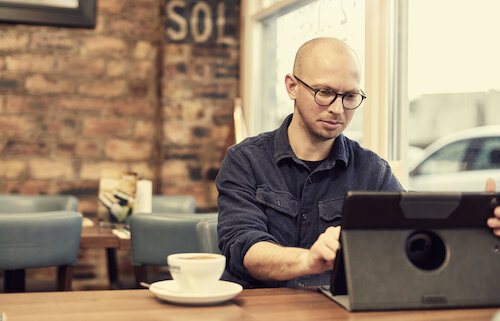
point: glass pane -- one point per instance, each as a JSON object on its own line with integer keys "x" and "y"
{"x": 453, "y": 85}
{"x": 488, "y": 154}
{"x": 283, "y": 33}
{"x": 448, "y": 159}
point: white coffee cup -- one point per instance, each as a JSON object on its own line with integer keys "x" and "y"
{"x": 196, "y": 272}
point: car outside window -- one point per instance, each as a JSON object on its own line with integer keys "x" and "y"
{"x": 449, "y": 159}
{"x": 488, "y": 155}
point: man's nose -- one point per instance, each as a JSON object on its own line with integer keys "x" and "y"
{"x": 336, "y": 106}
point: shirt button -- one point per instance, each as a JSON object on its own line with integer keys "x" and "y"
{"x": 278, "y": 203}
{"x": 305, "y": 216}
{"x": 310, "y": 180}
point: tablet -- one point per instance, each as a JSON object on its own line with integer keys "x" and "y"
{"x": 413, "y": 250}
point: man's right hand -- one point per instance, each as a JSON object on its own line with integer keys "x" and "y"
{"x": 323, "y": 252}
{"x": 271, "y": 262}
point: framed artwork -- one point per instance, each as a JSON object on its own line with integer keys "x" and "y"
{"x": 69, "y": 13}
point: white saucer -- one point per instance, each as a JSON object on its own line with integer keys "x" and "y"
{"x": 168, "y": 291}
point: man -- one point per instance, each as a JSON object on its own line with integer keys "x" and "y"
{"x": 281, "y": 193}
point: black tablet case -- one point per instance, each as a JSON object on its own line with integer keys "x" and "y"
{"x": 410, "y": 250}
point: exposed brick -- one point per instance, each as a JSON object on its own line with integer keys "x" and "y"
{"x": 50, "y": 41}
{"x": 83, "y": 189}
{"x": 24, "y": 146}
{"x": 143, "y": 169}
{"x": 9, "y": 82}
{"x": 86, "y": 148}
{"x": 144, "y": 130}
{"x": 143, "y": 70}
{"x": 177, "y": 52}
{"x": 179, "y": 91}
{"x": 144, "y": 50}
{"x": 108, "y": 127}
{"x": 43, "y": 168}
{"x": 28, "y": 105}
{"x": 101, "y": 45}
{"x": 138, "y": 89}
{"x": 220, "y": 133}
{"x": 186, "y": 111}
{"x": 12, "y": 169}
{"x": 81, "y": 65}
{"x": 118, "y": 67}
{"x": 40, "y": 84}
{"x": 145, "y": 10}
{"x": 14, "y": 125}
{"x": 81, "y": 104}
{"x": 128, "y": 150}
{"x": 28, "y": 187}
{"x": 88, "y": 207}
{"x": 92, "y": 170}
{"x": 30, "y": 63}
{"x": 130, "y": 27}
{"x": 176, "y": 133}
{"x": 104, "y": 88}
{"x": 63, "y": 127}
{"x": 175, "y": 171}
{"x": 110, "y": 6}
{"x": 130, "y": 108}
{"x": 65, "y": 149}
{"x": 211, "y": 173}
{"x": 201, "y": 132}
{"x": 10, "y": 41}
{"x": 201, "y": 191}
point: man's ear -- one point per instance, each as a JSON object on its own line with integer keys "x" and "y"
{"x": 291, "y": 86}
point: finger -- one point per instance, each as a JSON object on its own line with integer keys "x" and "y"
{"x": 491, "y": 185}
{"x": 333, "y": 232}
{"x": 493, "y": 222}
{"x": 497, "y": 211}
{"x": 496, "y": 231}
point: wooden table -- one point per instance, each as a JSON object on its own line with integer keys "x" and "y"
{"x": 103, "y": 237}
{"x": 261, "y": 304}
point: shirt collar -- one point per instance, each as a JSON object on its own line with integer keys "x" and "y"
{"x": 282, "y": 148}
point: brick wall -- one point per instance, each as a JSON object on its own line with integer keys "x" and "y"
{"x": 74, "y": 101}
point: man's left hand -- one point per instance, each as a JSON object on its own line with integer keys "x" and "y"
{"x": 493, "y": 222}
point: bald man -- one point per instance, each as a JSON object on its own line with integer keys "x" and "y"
{"x": 281, "y": 192}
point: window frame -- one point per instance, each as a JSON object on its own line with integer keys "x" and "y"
{"x": 385, "y": 111}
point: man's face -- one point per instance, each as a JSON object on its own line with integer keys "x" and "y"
{"x": 337, "y": 71}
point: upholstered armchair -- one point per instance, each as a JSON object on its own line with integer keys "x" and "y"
{"x": 35, "y": 232}
{"x": 156, "y": 235}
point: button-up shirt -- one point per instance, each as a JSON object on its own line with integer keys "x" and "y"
{"x": 268, "y": 194}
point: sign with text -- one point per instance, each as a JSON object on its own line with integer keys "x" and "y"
{"x": 202, "y": 21}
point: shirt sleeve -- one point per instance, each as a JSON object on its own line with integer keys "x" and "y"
{"x": 387, "y": 181}
{"x": 242, "y": 221}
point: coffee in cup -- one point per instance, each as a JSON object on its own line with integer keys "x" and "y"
{"x": 196, "y": 272}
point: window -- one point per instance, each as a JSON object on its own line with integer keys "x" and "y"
{"x": 488, "y": 155}
{"x": 278, "y": 29}
{"x": 453, "y": 85}
{"x": 448, "y": 159}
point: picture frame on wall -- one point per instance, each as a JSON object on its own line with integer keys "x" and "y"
{"x": 66, "y": 13}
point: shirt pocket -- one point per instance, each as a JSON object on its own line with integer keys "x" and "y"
{"x": 330, "y": 213}
{"x": 281, "y": 209}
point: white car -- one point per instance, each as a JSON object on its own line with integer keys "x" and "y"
{"x": 461, "y": 161}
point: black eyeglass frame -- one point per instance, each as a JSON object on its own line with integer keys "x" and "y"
{"x": 362, "y": 94}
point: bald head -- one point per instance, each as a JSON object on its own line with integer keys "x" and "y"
{"x": 309, "y": 50}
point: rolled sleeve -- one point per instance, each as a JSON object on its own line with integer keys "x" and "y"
{"x": 242, "y": 221}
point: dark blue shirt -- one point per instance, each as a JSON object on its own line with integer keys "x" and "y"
{"x": 268, "y": 194}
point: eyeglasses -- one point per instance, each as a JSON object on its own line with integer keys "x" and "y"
{"x": 326, "y": 97}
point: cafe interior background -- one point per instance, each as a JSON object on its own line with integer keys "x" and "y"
{"x": 162, "y": 88}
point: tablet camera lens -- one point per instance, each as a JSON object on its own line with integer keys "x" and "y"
{"x": 426, "y": 250}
